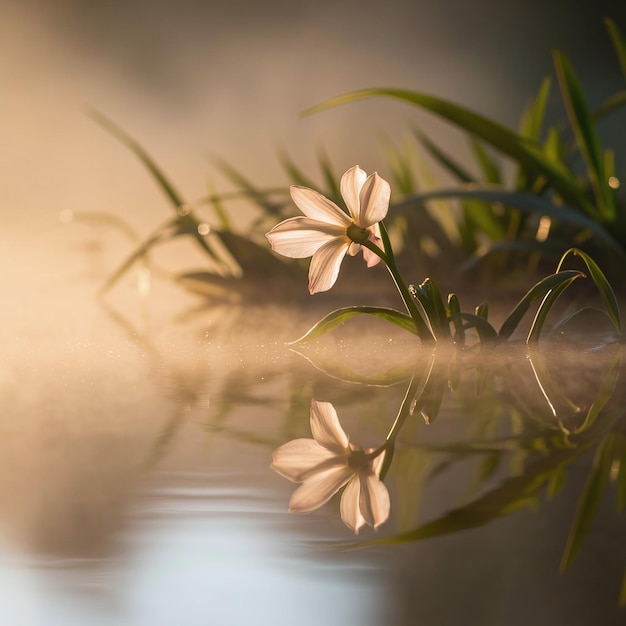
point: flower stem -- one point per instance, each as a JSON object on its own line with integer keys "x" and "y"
{"x": 409, "y": 403}
{"x": 422, "y": 328}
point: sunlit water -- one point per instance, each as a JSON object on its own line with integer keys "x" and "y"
{"x": 135, "y": 487}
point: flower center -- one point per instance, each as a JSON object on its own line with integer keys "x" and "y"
{"x": 358, "y": 234}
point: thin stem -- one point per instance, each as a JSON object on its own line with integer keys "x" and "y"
{"x": 420, "y": 325}
{"x": 406, "y": 408}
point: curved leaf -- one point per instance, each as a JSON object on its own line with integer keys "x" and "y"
{"x": 589, "y": 502}
{"x": 583, "y": 125}
{"x": 485, "y": 330}
{"x": 523, "y": 150}
{"x": 604, "y": 287}
{"x": 339, "y": 316}
{"x": 544, "y": 308}
{"x": 538, "y": 291}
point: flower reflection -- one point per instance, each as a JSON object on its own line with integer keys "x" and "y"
{"x": 326, "y": 463}
{"x": 326, "y": 233}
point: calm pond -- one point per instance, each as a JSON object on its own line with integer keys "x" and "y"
{"x": 136, "y": 489}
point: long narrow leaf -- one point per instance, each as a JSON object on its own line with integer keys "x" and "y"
{"x": 538, "y": 291}
{"x": 490, "y": 169}
{"x": 521, "y": 200}
{"x": 485, "y": 330}
{"x": 339, "y": 316}
{"x": 587, "y": 138}
{"x": 532, "y": 118}
{"x": 140, "y": 153}
{"x": 531, "y": 126}
{"x": 445, "y": 160}
{"x": 589, "y": 501}
{"x": 162, "y": 234}
{"x": 604, "y": 287}
{"x": 294, "y": 172}
{"x": 619, "y": 42}
{"x": 259, "y": 196}
{"x": 544, "y": 308}
{"x": 525, "y": 151}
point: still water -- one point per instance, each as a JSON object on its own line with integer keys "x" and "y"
{"x": 135, "y": 487}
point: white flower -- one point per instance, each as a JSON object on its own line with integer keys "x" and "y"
{"x": 327, "y": 233}
{"x": 325, "y": 464}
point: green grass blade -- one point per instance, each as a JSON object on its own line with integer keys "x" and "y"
{"x": 589, "y": 502}
{"x": 531, "y": 124}
{"x": 438, "y": 306}
{"x": 454, "y": 308}
{"x": 544, "y": 308}
{"x": 162, "y": 234}
{"x": 296, "y": 175}
{"x": 339, "y": 371}
{"x": 511, "y": 495}
{"x": 444, "y": 160}
{"x": 140, "y": 153}
{"x": 334, "y": 319}
{"x": 401, "y": 166}
{"x": 531, "y": 127}
{"x": 485, "y": 330}
{"x": 331, "y": 178}
{"x": 259, "y": 196}
{"x": 520, "y": 200}
{"x": 219, "y": 209}
{"x": 523, "y": 150}
{"x": 604, "y": 287}
{"x": 615, "y": 102}
{"x": 583, "y": 125}
{"x": 480, "y": 215}
{"x": 537, "y": 291}
{"x": 607, "y": 388}
{"x": 618, "y": 41}
{"x": 491, "y": 171}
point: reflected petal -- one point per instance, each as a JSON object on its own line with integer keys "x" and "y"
{"x": 374, "y": 197}
{"x": 350, "y": 186}
{"x": 374, "y": 499}
{"x": 297, "y": 459}
{"x": 301, "y": 237}
{"x": 325, "y": 265}
{"x": 326, "y": 428}
{"x": 319, "y": 489}
{"x": 350, "y": 512}
{"x": 318, "y": 207}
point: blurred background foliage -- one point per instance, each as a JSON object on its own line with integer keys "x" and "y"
{"x": 525, "y": 195}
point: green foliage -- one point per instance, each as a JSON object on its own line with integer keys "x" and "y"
{"x": 448, "y": 324}
{"x": 581, "y": 206}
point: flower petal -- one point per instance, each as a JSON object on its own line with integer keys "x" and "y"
{"x": 350, "y": 512}
{"x": 301, "y": 237}
{"x": 318, "y": 207}
{"x": 377, "y": 463}
{"x": 298, "y": 459}
{"x": 373, "y": 499}
{"x": 350, "y": 186}
{"x": 374, "y": 201}
{"x": 371, "y": 258}
{"x": 319, "y": 489}
{"x": 325, "y": 264}
{"x": 326, "y": 428}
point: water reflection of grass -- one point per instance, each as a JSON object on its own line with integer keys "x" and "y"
{"x": 523, "y": 434}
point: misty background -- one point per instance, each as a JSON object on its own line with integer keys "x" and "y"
{"x": 193, "y": 80}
